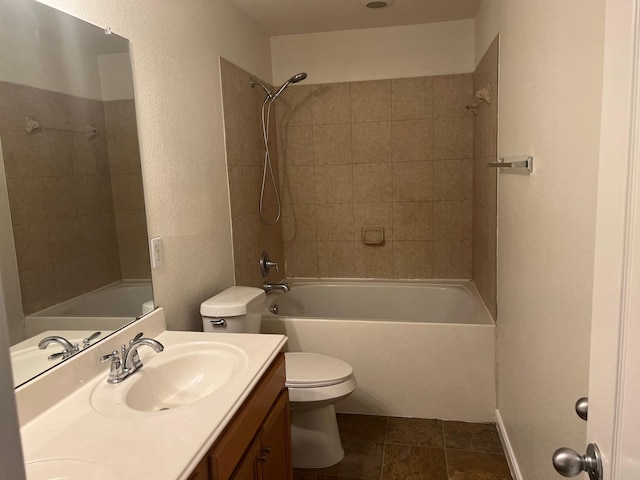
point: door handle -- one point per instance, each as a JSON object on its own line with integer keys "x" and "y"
{"x": 570, "y": 463}
{"x": 582, "y": 407}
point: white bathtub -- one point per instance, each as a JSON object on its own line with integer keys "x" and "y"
{"x": 107, "y": 308}
{"x": 418, "y": 349}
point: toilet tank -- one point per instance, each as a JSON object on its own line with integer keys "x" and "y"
{"x": 235, "y": 310}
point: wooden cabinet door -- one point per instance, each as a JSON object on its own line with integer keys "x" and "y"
{"x": 274, "y": 459}
{"x": 248, "y": 469}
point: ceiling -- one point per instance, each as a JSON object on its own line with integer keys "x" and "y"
{"x": 284, "y": 17}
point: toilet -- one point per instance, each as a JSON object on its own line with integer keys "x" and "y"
{"x": 315, "y": 382}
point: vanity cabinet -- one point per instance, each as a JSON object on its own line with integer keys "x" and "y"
{"x": 256, "y": 445}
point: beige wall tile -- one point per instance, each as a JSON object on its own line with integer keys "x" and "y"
{"x": 38, "y": 288}
{"x": 335, "y": 222}
{"x": 336, "y": 259}
{"x": 94, "y": 195}
{"x": 413, "y": 221}
{"x": 334, "y": 183}
{"x": 70, "y": 278}
{"x": 64, "y": 239}
{"x": 299, "y": 223}
{"x": 371, "y": 142}
{"x": 295, "y": 145}
{"x": 371, "y": 101}
{"x": 412, "y": 181}
{"x": 331, "y": 103}
{"x": 33, "y": 246}
{"x": 332, "y": 144}
{"x": 242, "y": 140}
{"x": 127, "y": 191}
{"x": 453, "y": 179}
{"x": 135, "y": 261}
{"x": 412, "y": 140}
{"x": 131, "y": 226}
{"x": 452, "y": 94}
{"x": 453, "y": 138}
{"x": 239, "y": 96}
{"x": 244, "y": 189}
{"x": 412, "y": 98}
{"x": 103, "y": 267}
{"x": 298, "y": 184}
{"x": 372, "y": 215}
{"x": 412, "y": 259}
{"x": 374, "y": 261}
{"x": 301, "y": 259}
{"x": 452, "y": 220}
{"x": 372, "y": 183}
{"x": 453, "y": 259}
{"x": 484, "y": 183}
{"x": 97, "y": 232}
{"x": 295, "y": 108}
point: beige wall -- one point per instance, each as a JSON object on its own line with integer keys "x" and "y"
{"x": 178, "y": 104}
{"x": 376, "y": 53}
{"x": 245, "y": 156}
{"x": 485, "y": 145}
{"x": 550, "y": 83}
{"x": 395, "y": 154}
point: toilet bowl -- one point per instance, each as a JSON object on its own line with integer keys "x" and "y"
{"x": 315, "y": 382}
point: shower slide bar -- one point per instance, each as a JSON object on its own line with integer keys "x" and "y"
{"x": 518, "y": 164}
{"x": 31, "y": 124}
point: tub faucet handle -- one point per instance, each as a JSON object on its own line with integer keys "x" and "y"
{"x": 266, "y": 264}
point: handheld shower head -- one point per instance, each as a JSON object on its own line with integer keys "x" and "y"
{"x": 298, "y": 77}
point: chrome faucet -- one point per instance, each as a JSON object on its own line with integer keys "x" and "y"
{"x": 69, "y": 348}
{"x": 123, "y": 366}
{"x": 269, "y": 287}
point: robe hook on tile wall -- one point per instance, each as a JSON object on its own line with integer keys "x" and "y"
{"x": 482, "y": 94}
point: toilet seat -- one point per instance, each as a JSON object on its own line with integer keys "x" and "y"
{"x": 313, "y": 370}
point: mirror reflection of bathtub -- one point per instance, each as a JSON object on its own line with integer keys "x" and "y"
{"x": 109, "y": 307}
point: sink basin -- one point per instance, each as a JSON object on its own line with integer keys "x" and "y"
{"x": 180, "y": 375}
{"x": 67, "y": 469}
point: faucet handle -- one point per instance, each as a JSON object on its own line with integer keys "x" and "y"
{"x": 115, "y": 370}
{"x": 86, "y": 342}
{"x": 266, "y": 264}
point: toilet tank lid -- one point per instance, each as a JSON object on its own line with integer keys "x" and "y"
{"x": 232, "y": 302}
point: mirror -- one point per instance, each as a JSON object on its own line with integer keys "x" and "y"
{"x": 74, "y": 258}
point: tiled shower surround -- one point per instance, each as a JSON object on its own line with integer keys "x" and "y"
{"x": 395, "y": 154}
{"x": 77, "y": 206}
{"x": 245, "y": 154}
{"x": 485, "y": 150}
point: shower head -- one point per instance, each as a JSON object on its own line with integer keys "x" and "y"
{"x": 298, "y": 77}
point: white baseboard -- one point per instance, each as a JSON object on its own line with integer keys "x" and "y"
{"x": 508, "y": 449}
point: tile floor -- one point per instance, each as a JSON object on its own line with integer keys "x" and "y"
{"x": 394, "y": 448}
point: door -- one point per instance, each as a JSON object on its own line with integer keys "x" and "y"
{"x": 614, "y": 383}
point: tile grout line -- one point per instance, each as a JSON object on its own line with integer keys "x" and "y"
{"x": 384, "y": 445}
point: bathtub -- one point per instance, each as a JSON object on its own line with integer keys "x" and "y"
{"x": 107, "y": 308}
{"x": 418, "y": 349}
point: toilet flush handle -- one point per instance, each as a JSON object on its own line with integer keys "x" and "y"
{"x": 220, "y": 322}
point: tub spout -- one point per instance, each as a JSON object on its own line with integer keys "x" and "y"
{"x": 269, "y": 287}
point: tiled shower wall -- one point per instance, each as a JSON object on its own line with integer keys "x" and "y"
{"x": 126, "y": 186}
{"x": 60, "y": 195}
{"x": 485, "y": 149}
{"x": 245, "y": 154}
{"x": 395, "y": 154}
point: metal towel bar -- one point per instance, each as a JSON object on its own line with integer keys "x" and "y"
{"x": 526, "y": 163}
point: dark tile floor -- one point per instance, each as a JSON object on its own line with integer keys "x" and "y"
{"x": 394, "y": 448}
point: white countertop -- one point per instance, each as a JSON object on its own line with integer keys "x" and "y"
{"x": 155, "y": 446}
